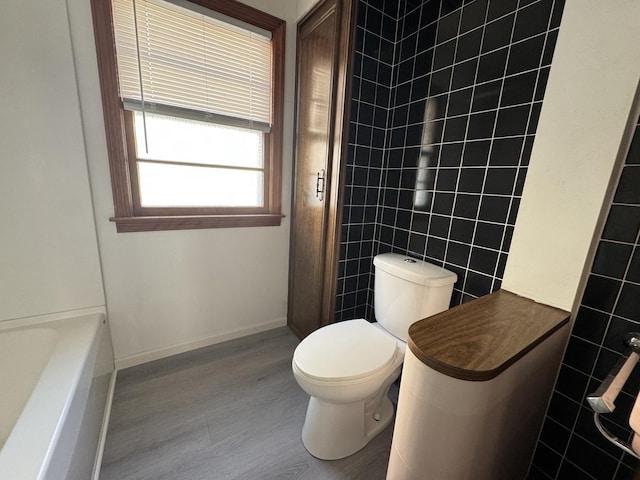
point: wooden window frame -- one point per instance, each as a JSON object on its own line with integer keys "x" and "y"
{"x": 129, "y": 216}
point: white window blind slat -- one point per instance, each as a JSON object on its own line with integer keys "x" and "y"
{"x": 191, "y": 61}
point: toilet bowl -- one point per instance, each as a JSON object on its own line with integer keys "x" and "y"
{"x": 348, "y": 385}
{"x": 348, "y": 367}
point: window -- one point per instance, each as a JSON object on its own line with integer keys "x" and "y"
{"x": 192, "y": 94}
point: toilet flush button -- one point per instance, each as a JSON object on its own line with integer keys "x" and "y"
{"x": 409, "y": 260}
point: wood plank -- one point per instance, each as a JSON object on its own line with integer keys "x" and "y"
{"x": 478, "y": 340}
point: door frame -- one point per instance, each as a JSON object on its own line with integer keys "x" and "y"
{"x": 336, "y": 165}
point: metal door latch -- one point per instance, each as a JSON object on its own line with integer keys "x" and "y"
{"x": 320, "y": 180}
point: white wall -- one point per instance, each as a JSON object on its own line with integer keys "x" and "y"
{"x": 48, "y": 251}
{"x": 172, "y": 291}
{"x": 580, "y": 136}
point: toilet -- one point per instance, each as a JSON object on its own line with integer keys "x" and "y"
{"x": 347, "y": 367}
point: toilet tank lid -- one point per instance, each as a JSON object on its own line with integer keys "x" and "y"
{"x": 413, "y": 270}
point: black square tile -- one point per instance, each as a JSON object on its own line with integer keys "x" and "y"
{"x": 489, "y": 235}
{"x": 612, "y": 259}
{"x": 426, "y": 36}
{"x": 512, "y": 121}
{"x": 447, "y": 179}
{"x": 478, "y": 284}
{"x": 417, "y": 243}
{"x": 622, "y": 223}
{"x": 506, "y": 151}
{"x": 628, "y": 305}
{"x": 408, "y": 178}
{"x": 532, "y": 20}
{"x": 459, "y": 102}
{"x": 451, "y": 154}
{"x": 476, "y": 153}
{"x": 536, "y": 108}
{"x": 458, "y": 253}
{"x": 486, "y": 96}
{"x": 469, "y": 45}
{"x": 572, "y": 383}
{"x": 462, "y": 230}
{"x": 508, "y": 236}
{"x": 541, "y": 86}
{"x": 473, "y": 15}
{"x": 373, "y": 21}
{"x": 563, "y": 410}
{"x": 455, "y": 129}
{"x": 580, "y": 355}
{"x": 502, "y": 263}
{"x": 464, "y": 74}
{"x": 628, "y": 190}
{"x": 448, "y": 27}
{"x": 444, "y": 54}
{"x": 405, "y": 199}
{"x": 443, "y": 203}
{"x": 481, "y": 125}
{"x": 633, "y": 156}
{"x": 439, "y": 226}
{"x": 440, "y": 81}
{"x": 471, "y": 180}
{"x": 519, "y": 186}
{"x": 525, "y": 55}
{"x": 492, "y": 65}
{"x": 601, "y": 293}
{"x": 483, "y": 260}
{"x": 500, "y": 181}
{"x": 430, "y": 12}
{"x": 555, "y": 435}
{"x": 408, "y": 46}
{"x": 633, "y": 275}
{"x": 423, "y": 63}
{"x": 494, "y": 209}
{"x": 497, "y": 34}
{"x": 436, "y": 247}
{"x": 466, "y": 205}
{"x": 549, "y": 48}
{"x": 519, "y": 89}
{"x": 590, "y": 324}
{"x": 401, "y": 239}
{"x": 545, "y": 463}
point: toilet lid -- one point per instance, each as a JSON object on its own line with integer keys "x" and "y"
{"x": 345, "y": 351}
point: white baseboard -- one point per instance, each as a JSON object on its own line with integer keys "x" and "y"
{"x": 105, "y": 426}
{"x": 151, "y": 355}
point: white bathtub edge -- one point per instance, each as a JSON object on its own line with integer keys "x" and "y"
{"x": 158, "y": 353}
{"x": 104, "y": 427}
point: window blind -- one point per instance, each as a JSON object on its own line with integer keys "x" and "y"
{"x": 191, "y": 65}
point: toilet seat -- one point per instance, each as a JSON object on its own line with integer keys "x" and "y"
{"x": 345, "y": 351}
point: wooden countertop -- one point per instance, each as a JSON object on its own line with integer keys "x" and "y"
{"x": 479, "y": 339}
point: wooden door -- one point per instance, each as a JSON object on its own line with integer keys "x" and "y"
{"x": 323, "y": 87}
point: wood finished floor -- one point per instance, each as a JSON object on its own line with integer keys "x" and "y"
{"x": 231, "y": 411}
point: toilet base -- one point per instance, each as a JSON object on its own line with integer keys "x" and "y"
{"x": 332, "y": 431}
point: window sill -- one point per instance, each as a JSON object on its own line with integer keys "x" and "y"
{"x": 190, "y": 222}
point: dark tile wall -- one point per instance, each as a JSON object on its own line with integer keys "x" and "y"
{"x": 570, "y": 447}
{"x": 445, "y": 106}
{"x": 373, "y": 66}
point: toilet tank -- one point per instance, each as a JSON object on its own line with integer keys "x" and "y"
{"x": 407, "y": 290}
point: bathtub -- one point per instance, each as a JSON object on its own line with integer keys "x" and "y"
{"x": 55, "y": 378}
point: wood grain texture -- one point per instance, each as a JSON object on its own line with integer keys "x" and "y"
{"x": 230, "y": 411}
{"x": 479, "y": 339}
{"x": 317, "y": 50}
